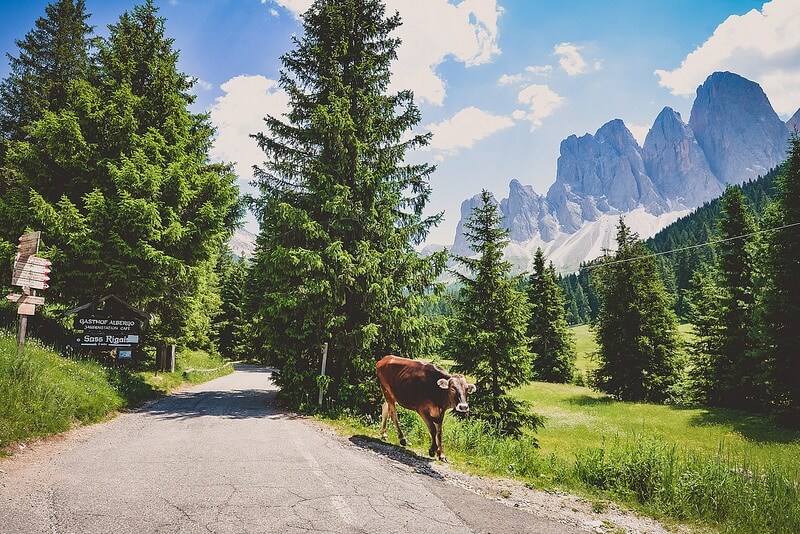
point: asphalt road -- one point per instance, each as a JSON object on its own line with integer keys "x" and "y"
{"x": 222, "y": 458}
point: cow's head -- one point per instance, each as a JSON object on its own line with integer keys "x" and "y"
{"x": 457, "y": 389}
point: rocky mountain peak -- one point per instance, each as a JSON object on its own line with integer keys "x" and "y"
{"x": 737, "y": 128}
{"x": 676, "y": 164}
{"x": 598, "y": 174}
{"x": 794, "y": 123}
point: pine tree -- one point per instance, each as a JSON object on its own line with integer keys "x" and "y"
{"x": 705, "y": 313}
{"x": 736, "y": 373}
{"x": 131, "y": 204}
{"x": 782, "y": 302}
{"x": 340, "y": 210}
{"x": 487, "y": 336}
{"x": 551, "y": 342}
{"x": 51, "y": 56}
{"x": 636, "y": 329}
{"x": 231, "y": 323}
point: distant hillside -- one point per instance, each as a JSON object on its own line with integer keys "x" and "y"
{"x": 697, "y": 228}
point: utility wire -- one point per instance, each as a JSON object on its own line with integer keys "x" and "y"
{"x": 626, "y": 260}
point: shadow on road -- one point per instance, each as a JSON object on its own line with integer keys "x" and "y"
{"x": 419, "y": 464}
{"x": 233, "y": 403}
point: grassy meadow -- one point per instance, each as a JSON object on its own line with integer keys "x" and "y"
{"x": 43, "y": 393}
{"x": 711, "y": 468}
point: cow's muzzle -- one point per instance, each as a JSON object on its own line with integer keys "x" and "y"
{"x": 462, "y": 407}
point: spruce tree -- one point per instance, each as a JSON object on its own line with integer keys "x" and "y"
{"x": 52, "y": 57}
{"x": 551, "y": 342}
{"x": 340, "y": 210}
{"x": 782, "y": 302}
{"x": 487, "y": 336}
{"x": 736, "y": 371}
{"x": 231, "y": 323}
{"x": 705, "y": 350}
{"x": 53, "y": 54}
{"x": 636, "y": 328}
{"x": 123, "y": 189}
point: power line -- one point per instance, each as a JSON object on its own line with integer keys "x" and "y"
{"x": 708, "y": 243}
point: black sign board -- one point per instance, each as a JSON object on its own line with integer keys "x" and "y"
{"x": 108, "y": 323}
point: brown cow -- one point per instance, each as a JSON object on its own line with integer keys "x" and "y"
{"x": 427, "y": 389}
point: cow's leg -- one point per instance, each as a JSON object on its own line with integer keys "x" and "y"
{"x": 432, "y": 429}
{"x": 384, "y": 416}
{"x": 390, "y": 410}
{"x": 393, "y": 413}
{"x": 437, "y": 423}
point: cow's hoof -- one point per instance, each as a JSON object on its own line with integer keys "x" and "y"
{"x": 383, "y": 437}
{"x": 403, "y": 442}
{"x": 443, "y": 458}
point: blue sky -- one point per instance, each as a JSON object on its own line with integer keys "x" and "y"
{"x": 499, "y": 82}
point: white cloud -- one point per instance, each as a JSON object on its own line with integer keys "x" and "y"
{"x": 240, "y": 112}
{"x": 570, "y": 58}
{"x": 539, "y": 70}
{"x": 204, "y": 85}
{"x": 639, "y": 132}
{"x": 530, "y": 71}
{"x": 296, "y": 7}
{"x": 465, "y": 128}
{"x": 432, "y": 31}
{"x": 763, "y": 46}
{"x": 511, "y": 79}
{"x": 541, "y": 101}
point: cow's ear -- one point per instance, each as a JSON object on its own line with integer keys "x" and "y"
{"x": 443, "y": 383}
{"x": 471, "y": 388}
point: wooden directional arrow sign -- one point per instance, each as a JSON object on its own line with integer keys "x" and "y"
{"x": 32, "y": 260}
{"x": 31, "y": 271}
{"x": 25, "y": 299}
{"x": 29, "y": 243}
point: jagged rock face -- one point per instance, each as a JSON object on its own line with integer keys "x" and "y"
{"x": 735, "y": 125}
{"x": 794, "y": 123}
{"x": 461, "y": 245}
{"x": 527, "y": 214}
{"x": 598, "y": 174}
{"x": 676, "y": 164}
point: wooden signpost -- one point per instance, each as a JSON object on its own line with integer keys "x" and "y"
{"x": 30, "y": 273}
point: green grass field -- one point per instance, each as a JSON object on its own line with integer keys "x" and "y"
{"x": 711, "y": 468}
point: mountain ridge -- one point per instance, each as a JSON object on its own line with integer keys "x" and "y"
{"x": 733, "y": 135}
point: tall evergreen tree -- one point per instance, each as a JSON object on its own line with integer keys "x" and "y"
{"x": 340, "y": 210}
{"x": 705, "y": 313}
{"x": 231, "y": 323}
{"x": 551, "y": 342}
{"x": 636, "y": 329}
{"x": 131, "y": 203}
{"x": 782, "y": 306}
{"x": 487, "y": 336}
{"x": 53, "y": 54}
{"x": 736, "y": 371}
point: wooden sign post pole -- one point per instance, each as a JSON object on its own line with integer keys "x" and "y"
{"x": 22, "y": 327}
{"x": 31, "y": 273}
